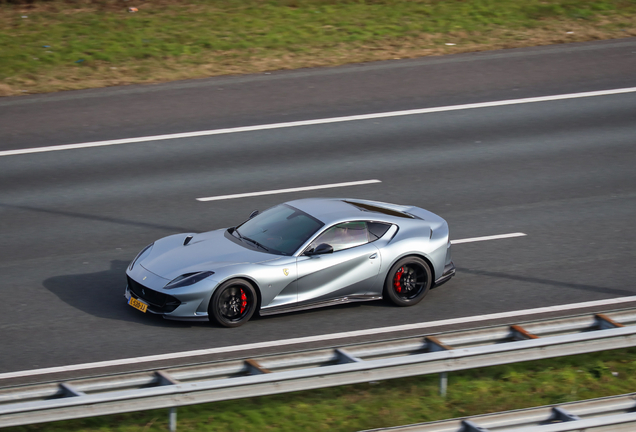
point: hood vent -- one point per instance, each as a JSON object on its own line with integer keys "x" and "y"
{"x": 187, "y": 240}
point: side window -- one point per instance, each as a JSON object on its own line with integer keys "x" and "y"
{"x": 377, "y": 229}
{"x": 343, "y": 236}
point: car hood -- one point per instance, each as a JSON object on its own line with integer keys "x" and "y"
{"x": 169, "y": 258}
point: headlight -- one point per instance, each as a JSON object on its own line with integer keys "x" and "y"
{"x": 146, "y": 249}
{"x": 188, "y": 279}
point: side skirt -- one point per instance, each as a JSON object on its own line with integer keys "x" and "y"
{"x": 306, "y": 306}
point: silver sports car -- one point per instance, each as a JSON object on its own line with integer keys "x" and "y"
{"x": 298, "y": 255}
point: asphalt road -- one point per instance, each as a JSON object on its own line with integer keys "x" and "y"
{"x": 563, "y": 172}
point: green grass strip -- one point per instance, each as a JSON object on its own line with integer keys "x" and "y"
{"x": 394, "y": 402}
{"x": 81, "y": 43}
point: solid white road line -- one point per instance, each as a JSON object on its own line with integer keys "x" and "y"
{"x": 492, "y": 237}
{"x": 297, "y": 189}
{"x": 309, "y": 339}
{"x": 317, "y": 121}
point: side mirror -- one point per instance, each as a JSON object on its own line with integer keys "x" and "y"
{"x": 254, "y": 213}
{"x": 321, "y": 249}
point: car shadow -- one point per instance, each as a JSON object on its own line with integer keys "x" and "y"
{"x": 550, "y": 282}
{"x": 101, "y": 294}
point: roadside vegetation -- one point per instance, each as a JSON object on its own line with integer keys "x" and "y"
{"x": 72, "y": 44}
{"x": 391, "y": 403}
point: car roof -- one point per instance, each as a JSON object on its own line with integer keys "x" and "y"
{"x": 331, "y": 210}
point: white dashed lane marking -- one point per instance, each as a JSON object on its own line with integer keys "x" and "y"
{"x": 492, "y": 237}
{"x": 289, "y": 190}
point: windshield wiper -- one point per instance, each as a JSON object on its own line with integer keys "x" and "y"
{"x": 255, "y": 242}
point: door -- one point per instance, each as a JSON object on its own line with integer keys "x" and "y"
{"x": 351, "y": 269}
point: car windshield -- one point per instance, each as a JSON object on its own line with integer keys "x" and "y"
{"x": 281, "y": 229}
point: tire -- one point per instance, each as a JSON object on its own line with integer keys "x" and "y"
{"x": 233, "y": 303}
{"x": 408, "y": 281}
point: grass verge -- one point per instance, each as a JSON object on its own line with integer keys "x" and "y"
{"x": 392, "y": 403}
{"x": 73, "y": 44}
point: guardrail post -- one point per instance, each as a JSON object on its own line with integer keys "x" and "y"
{"x": 433, "y": 345}
{"x": 468, "y": 426}
{"x": 173, "y": 419}
{"x": 254, "y": 368}
{"x": 605, "y": 322}
{"x": 344, "y": 357}
{"x": 443, "y": 383}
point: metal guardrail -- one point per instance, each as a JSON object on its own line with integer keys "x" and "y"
{"x": 615, "y": 413}
{"x": 225, "y": 380}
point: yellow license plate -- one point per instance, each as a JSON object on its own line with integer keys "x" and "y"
{"x": 138, "y": 304}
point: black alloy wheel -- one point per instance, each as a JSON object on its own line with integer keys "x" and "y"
{"x": 408, "y": 281}
{"x": 233, "y": 303}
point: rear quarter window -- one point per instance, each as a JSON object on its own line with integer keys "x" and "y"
{"x": 377, "y": 229}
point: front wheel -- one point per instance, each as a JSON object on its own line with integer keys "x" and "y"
{"x": 233, "y": 303}
{"x": 408, "y": 281}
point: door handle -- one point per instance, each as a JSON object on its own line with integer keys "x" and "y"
{"x": 374, "y": 256}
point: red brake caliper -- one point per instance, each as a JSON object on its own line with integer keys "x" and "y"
{"x": 243, "y": 301}
{"x": 396, "y": 279}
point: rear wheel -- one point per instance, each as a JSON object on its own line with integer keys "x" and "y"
{"x": 408, "y": 281}
{"x": 233, "y": 303}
